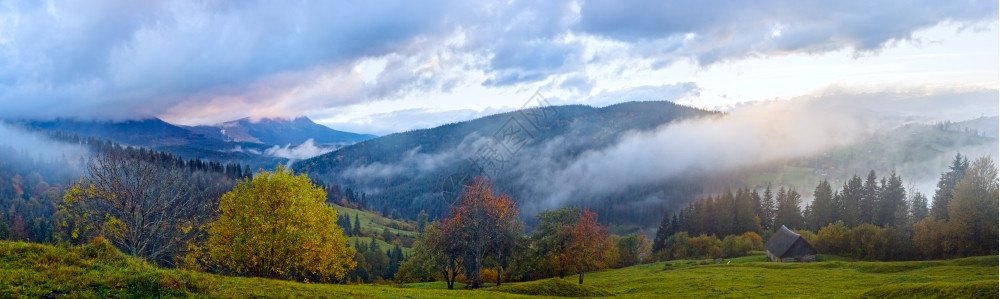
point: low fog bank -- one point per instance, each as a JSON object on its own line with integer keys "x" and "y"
{"x": 563, "y": 170}
{"x": 924, "y": 175}
{"x": 410, "y": 165}
{"x": 39, "y": 146}
{"x": 754, "y": 134}
{"x": 302, "y": 151}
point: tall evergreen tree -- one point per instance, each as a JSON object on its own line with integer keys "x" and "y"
{"x": 918, "y": 207}
{"x": 822, "y": 208}
{"x": 422, "y": 221}
{"x": 767, "y": 207}
{"x": 850, "y": 201}
{"x": 892, "y": 209}
{"x": 724, "y": 213}
{"x": 357, "y": 225}
{"x": 745, "y": 215}
{"x": 663, "y": 232}
{"x": 788, "y": 213}
{"x": 869, "y": 199}
{"x": 946, "y": 185}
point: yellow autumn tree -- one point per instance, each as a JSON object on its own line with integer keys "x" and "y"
{"x": 277, "y": 226}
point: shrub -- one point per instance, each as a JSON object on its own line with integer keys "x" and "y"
{"x": 733, "y": 246}
{"x": 755, "y": 240}
{"x": 706, "y": 246}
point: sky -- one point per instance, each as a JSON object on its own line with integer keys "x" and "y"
{"x": 388, "y": 66}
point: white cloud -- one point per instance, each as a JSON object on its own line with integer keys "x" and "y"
{"x": 302, "y": 151}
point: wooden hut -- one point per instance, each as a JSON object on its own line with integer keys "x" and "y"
{"x": 787, "y": 246}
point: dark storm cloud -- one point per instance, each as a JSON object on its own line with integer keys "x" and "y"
{"x": 122, "y": 59}
{"x": 208, "y": 59}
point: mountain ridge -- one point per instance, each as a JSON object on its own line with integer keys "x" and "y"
{"x": 277, "y": 131}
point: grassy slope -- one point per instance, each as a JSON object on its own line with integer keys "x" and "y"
{"x": 32, "y": 270}
{"x": 373, "y": 223}
{"x": 752, "y": 277}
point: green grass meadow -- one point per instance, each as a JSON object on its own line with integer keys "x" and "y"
{"x": 98, "y": 270}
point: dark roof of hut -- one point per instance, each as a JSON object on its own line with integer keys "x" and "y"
{"x": 785, "y": 239}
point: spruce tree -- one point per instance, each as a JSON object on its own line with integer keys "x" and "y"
{"x": 767, "y": 209}
{"x": 357, "y": 225}
{"x": 850, "y": 201}
{"x": 869, "y": 200}
{"x": 946, "y": 185}
{"x": 822, "y": 207}
{"x": 663, "y": 232}
{"x": 892, "y": 209}
{"x": 918, "y": 207}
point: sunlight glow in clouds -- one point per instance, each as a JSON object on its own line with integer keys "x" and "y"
{"x": 386, "y": 66}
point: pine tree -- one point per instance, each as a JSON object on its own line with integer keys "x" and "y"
{"x": 788, "y": 213}
{"x": 357, "y": 225}
{"x": 918, "y": 207}
{"x": 850, "y": 201}
{"x": 869, "y": 200}
{"x": 946, "y": 185}
{"x": 822, "y": 208}
{"x": 745, "y": 214}
{"x": 767, "y": 209}
{"x": 663, "y": 232}
{"x": 892, "y": 209}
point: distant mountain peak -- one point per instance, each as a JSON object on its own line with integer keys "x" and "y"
{"x": 279, "y": 131}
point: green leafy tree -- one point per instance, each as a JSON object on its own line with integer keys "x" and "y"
{"x": 973, "y": 209}
{"x": 733, "y": 246}
{"x": 833, "y": 238}
{"x": 277, "y": 226}
{"x": 548, "y": 243}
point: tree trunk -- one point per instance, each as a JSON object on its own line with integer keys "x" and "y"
{"x": 499, "y": 275}
{"x": 581, "y": 277}
{"x": 448, "y": 280}
{"x": 477, "y": 270}
{"x": 562, "y": 274}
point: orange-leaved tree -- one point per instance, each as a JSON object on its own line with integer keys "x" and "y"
{"x": 587, "y": 242}
{"x": 277, "y": 226}
{"x": 484, "y": 223}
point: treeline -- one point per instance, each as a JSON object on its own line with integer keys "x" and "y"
{"x": 32, "y": 189}
{"x": 873, "y": 219}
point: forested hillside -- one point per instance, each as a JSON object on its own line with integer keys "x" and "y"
{"x": 404, "y": 173}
